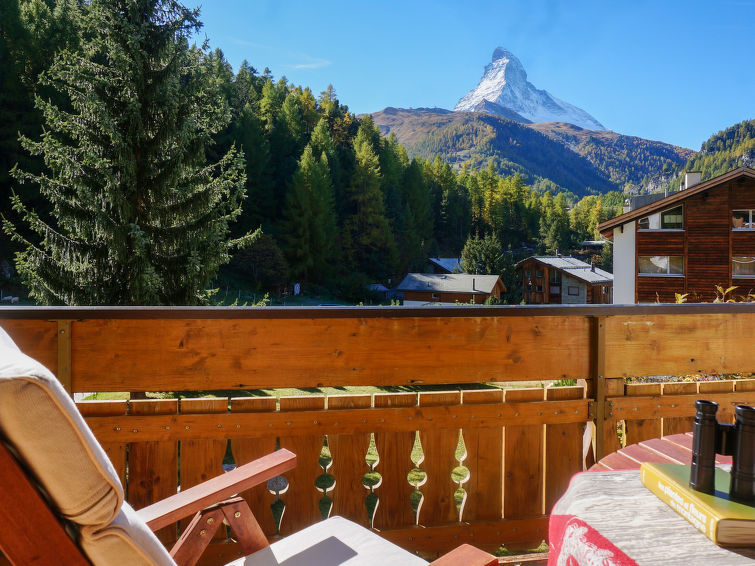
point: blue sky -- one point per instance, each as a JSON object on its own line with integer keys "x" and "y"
{"x": 665, "y": 70}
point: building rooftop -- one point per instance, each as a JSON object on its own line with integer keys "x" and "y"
{"x": 449, "y": 264}
{"x": 449, "y": 283}
{"x": 574, "y": 267}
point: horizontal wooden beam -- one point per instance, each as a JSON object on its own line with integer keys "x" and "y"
{"x": 662, "y": 406}
{"x": 140, "y": 428}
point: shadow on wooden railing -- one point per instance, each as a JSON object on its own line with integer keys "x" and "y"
{"x": 429, "y": 469}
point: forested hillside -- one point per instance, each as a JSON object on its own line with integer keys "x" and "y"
{"x": 581, "y": 161}
{"x": 340, "y": 205}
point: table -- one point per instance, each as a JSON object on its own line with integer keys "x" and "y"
{"x": 672, "y": 449}
{"x": 610, "y": 518}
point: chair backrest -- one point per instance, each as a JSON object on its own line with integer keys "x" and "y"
{"x": 64, "y": 469}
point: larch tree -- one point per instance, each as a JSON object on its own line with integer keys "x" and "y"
{"x": 138, "y": 215}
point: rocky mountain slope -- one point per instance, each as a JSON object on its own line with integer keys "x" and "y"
{"x": 505, "y": 91}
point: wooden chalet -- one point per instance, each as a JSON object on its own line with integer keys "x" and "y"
{"x": 688, "y": 242}
{"x": 444, "y": 265}
{"x": 431, "y": 288}
{"x": 563, "y": 280}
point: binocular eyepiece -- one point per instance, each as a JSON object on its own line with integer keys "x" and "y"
{"x": 738, "y": 440}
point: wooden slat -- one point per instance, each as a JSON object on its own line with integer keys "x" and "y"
{"x": 726, "y": 411}
{"x": 485, "y": 463}
{"x": 678, "y": 345}
{"x": 563, "y": 448}
{"x": 674, "y": 425}
{"x": 202, "y": 459}
{"x": 617, "y": 461}
{"x": 638, "y": 430}
{"x": 614, "y": 390}
{"x": 116, "y": 451}
{"x": 302, "y": 497}
{"x": 394, "y": 450}
{"x": 153, "y": 466}
{"x": 523, "y": 462}
{"x": 110, "y": 355}
{"x": 349, "y": 466}
{"x": 247, "y": 449}
{"x": 439, "y": 447}
{"x": 303, "y": 423}
{"x": 674, "y": 406}
{"x": 641, "y": 453}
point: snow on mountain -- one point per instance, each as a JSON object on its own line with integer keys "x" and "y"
{"x": 504, "y": 86}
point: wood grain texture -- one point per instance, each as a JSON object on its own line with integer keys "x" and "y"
{"x": 153, "y": 466}
{"x": 247, "y": 449}
{"x": 36, "y": 338}
{"x": 674, "y": 425}
{"x": 349, "y": 466}
{"x": 116, "y": 451}
{"x": 726, "y": 411}
{"x": 202, "y": 459}
{"x": 638, "y": 430}
{"x": 110, "y": 355}
{"x": 563, "y": 448}
{"x": 523, "y": 462}
{"x": 468, "y": 555}
{"x": 302, "y": 497}
{"x": 484, "y": 461}
{"x": 394, "y": 450}
{"x": 439, "y": 447}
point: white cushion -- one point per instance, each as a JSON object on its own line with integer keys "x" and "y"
{"x": 127, "y": 541}
{"x": 40, "y": 421}
{"x": 333, "y": 542}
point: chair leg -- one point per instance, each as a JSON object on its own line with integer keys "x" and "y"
{"x": 198, "y": 534}
{"x": 244, "y": 525}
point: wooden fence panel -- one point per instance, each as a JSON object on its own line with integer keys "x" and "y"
{"x": 563, "y": 448}
{"x": 153, "y": 466}
{"x": 394, "y": 452}
{"x": 484, "y": 460}
{"x": 202, "y": 459}
{"x": 439, "y": 448}
{"x": 676, "y": 425}
{"x": 302, "y": 497}
{"x": 726, "y": 411}
{"x": 349, "y": 465}
{"x": 116, "y": 451}
{"x": 638, "y": 430}
{"x": 523, "y": 462}
{"x": 35, "y": 338}
{"x": 247, "y": 449}
{"x": 247, "y": 353}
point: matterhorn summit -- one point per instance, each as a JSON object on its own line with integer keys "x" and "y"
{"x": 504, "y": 90}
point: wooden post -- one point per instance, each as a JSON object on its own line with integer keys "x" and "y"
{"x": 64, "y": 355}
{"x": 596, "y": 386}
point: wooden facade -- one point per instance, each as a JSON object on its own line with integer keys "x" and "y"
{"x": 445, "y": 297}
{"x": 544, "y": 284}
{"x": 707, "y": 243}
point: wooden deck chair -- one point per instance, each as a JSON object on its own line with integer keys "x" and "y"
{"x": 62, "y": 503}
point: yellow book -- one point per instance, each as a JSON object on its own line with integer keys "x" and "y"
{"x": 723, "y": 521}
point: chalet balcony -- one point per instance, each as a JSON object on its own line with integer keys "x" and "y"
{"x": 397, "y": 416}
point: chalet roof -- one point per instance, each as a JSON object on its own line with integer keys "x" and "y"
{"x": 606, "y": 228}
{"x": 574, "y": 268}
{"x": 449, "y": 264}
{"x": 449, "y": 283}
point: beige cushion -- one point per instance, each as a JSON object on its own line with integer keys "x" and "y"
{"x": 127, "y": 541}
{"x": 40, "y": 421}
{"x": 336, "y": 541}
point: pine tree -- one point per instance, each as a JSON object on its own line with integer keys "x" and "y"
{"x": 140, "y": 217}
{"x": 368, "y": 241}
{"x": 310, "y": 227}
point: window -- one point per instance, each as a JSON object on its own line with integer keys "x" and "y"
{"x": 671, "y": 219}
{"x": 528, "y": 273}
{"x": 742, "y": 220}
{"x": 555, "y": 277}
{"x": 661, "y": 265}
{"x": 539, "y": 288}
{"x": 743, "y": 266}
{"x": 436, "y": 296}
{"x": 539, "y": 273}
{"x": 573, "y": 291}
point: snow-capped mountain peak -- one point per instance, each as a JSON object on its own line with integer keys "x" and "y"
{"x": 504, "y": 84}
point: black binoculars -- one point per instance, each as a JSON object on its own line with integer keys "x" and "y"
{"x": 736, "y": 440}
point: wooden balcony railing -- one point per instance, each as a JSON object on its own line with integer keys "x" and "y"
{"x": 430, "y": 467}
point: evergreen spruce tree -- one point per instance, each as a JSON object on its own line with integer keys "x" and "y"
{"x": 140, "y": 217}
{"x": 368, "y": 240}
{"x": 310, "y": 228}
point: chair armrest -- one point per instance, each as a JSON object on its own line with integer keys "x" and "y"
{"x": 193, "y": 499}
{"x": 468, "y": 555}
